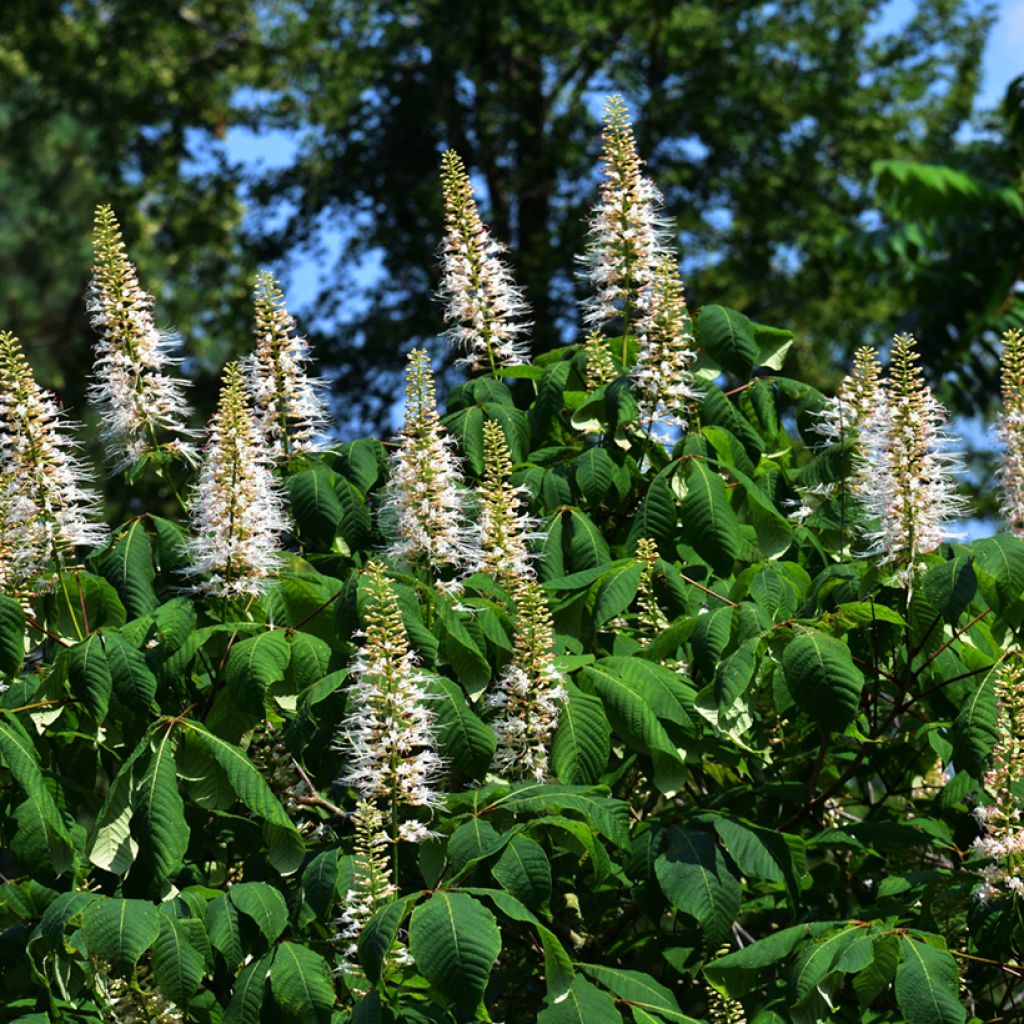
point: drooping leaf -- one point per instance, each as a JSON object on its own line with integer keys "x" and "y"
{"x": 301, "y": 982}
{"x": 824, "y": 682}
{"x": 177, "y": 965}
{"x": 455, "y": 942}
{"x": 264, "y": 904}
{"x": 584, "y": 1004}
{"x": 461, "y": 736}
{"x": 728, "y": 337}
{"x": 710, "y": 524}
{"x": 159, "y": 813}
{"x": 639, "y": 989}
{"x": 120, "y": 930}
{"x": 128, "y": 565}
{"x": 12, "y": 635}
{"x": 928, "y": 984}
{"x": 582, "y": 741}
{"x": 254, "y": 664}
{"x": 525, "y": 871}
{"x": 250, "y": 988}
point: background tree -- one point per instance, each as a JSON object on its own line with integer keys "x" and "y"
{"x": 768, "y": 119}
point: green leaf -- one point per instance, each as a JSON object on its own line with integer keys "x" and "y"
{"x": 254, "y": 664}
{"x": 301, "y": 982}
{"x": 284, "y": 843}
{"x": 639, "y": 989}
{"x": 582, "y": 741}
{"x": 824, "y": 682}
{"x": 735, "y": 673}
{"x": 593, "y": 473}
{"x": 472, "y": 841}
{"x": 377, "y": 938}
{"x": 133, "y": 682}
{"x": 319, "y": 882}
{"x": 657, "y": 517}
{"x": 455, "y": 942}
{"x": 695, "y": 878}
{"x": 616, "y": 593}
{"x": 584, "y": 1004}
{"x": 558, "y": 970}
{"x": 315, "y": 505}
{"x": 159, "y": 814}
{"x": 975, "y": 728}
{"x": 584, "y": 543}
{"x": 471, "y": 666}
{"x": 128, "y": 565}
{"x": 523, "y": 869}
{"x": 177, "y": 964}
{"x": 89, "y": 676}
{"x": 223, "y": 928}
{"x": 91, "y": 600}
{"x": 12, "y": 635}
{"x": 264, "y": 904}
{"x": 928, "y": 985}
{"x": 19, "y": 754}
{"x": 120, "y": 930}
{"x": 1000, "y": 573}
{"x": 763, "y": 853}
{"x": 250, "y": 988}
{"x": 112, "y": 846}
{"x": 461, "y": 737}
{"x": 727, "y": 336}
{"x": 710, "y": 524}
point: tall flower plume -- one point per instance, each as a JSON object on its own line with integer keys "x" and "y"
{"x": 483, "y": 307}
{"x": 236, "y": 508}
{"x": 504, "y": 529}
{"x": 666, "y": 389}
{"x": 1011, "y": 430}
{"x": 859, "y": 394}
{"x": 38, "y": 465}
{"x": 600, "y": 365}
{"x": 372, "y": 885}
{"x": 628, "y": 236}
{"x": 905, "y": 478}
{"x": 23, "y": 540}
{"x": 142, "y": 407}
{"x": 289, "y": 406}
{"x": 528, "y": 695}
{"x": 1002, "y": 839}
{"x": 425, "y": 497}
{"x": 388, "y": 735}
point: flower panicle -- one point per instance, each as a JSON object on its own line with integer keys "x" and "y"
{"x": 143, "y": 407}
{"x": 628, "y": 234}
{"x": 1011, "y": 429}
{"x": 504, "y": 528}
{"x": 651, "y": 617}
{"x": 666, "y": 389}
{"x": 1002, "y": 839}
{"x": 857, "y": 397}
{"x": 425, "y": 506}
{"x": 236, "y": 508}
{"x": 528, "y": 695}
{"x": 49, "y": 503}
{"x": 372, "y": 885}
{"x": 483, "y": 307}
{"x": 601, "y": 368}
{"x": 288, "y": 403}
{"x": 905, "y": 478}
{"x": 388, "y": 736}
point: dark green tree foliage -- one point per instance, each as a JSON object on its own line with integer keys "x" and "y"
{"x": 761, "y": 122}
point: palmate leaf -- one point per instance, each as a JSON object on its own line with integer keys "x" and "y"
{"x": 284, "y": 844}
{"x": 727, "y": 336}
{"x": 89, "y": 676}
{"x": 264, "y": 904}
{"x": 455, "y": 942}
{"x": 320, "y": 880}
{"x": 301, "y": 982}
{"x": 975, "y": 728}
{"x": 128, "y": 565}
{"x": 824, "y": 682}
{"x": 928, "y": 984}
{"x": 315, "y": 505}
{"x": 710, "y": 524}
{"x": 639, "y": 989}
{"x": 159, "y": 814}
{"x": 583, "y": 1004}
{"x": 254, "y": 664}
{"x": 695, "y": 879}
{"x": 120, "y": 930}
{"x": 657, "y": 515}
{"x": 523, "y": 869}
{"x": 250, "y": 989}
{"x": 558, "y": 967}
{"x": 615, "y": 593}
{"x": 582, "y": 741}
{"x": 377, "y": 938}
{"x": 111, "y": 844}
{"x": 177, "y": 965}
{"x": 593, "y": 474}
{"x": 224, "y": 929}
{"x": 12, "y": 635}
{"x": 466, "y": 741}
{"x": 133, "y": 682}
{"x": 19, "y": 754}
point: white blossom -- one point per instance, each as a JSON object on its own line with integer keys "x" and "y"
{"x": 483, "y": 307}
{"x": 236, "y": 507}
{"x": 138, "y": 402}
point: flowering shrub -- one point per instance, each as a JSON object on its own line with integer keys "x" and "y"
{"x": 645, "y": 683}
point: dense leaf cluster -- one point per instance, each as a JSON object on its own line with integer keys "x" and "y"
{"x": 763, "y": 771}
